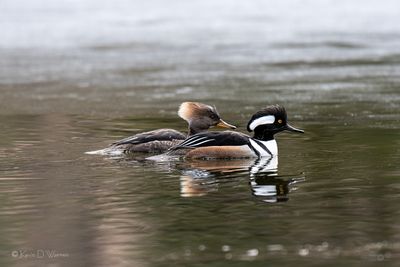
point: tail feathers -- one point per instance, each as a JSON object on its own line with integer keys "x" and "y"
{"x": 109, "y": 151}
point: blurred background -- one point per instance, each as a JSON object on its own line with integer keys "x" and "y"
{"x": 107, "y": 56}
{"x": 76, "y": 75}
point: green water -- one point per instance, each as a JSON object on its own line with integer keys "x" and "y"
{"x": 100, "y": 74}
{"x": 335, "y": 200}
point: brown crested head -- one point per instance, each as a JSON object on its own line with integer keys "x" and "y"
{"x": 190, "y": 110}
{"x": 201, "y": 116}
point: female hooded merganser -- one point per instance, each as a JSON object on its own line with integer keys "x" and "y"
{"x": 199, "y": 116}
{"x": 265, "y": 124}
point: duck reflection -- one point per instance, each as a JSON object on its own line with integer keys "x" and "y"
{"x": 195, "y": 183}
{"x": 264, "y": 166}
{"x": 201, "y": 177}
{"x": 272, "y": 189}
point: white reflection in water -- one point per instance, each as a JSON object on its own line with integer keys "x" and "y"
{"x": 269, "y": 165}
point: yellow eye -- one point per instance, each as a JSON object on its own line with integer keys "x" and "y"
{"x": 279, "y": 121}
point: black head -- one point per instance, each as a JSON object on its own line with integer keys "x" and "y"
{"x": 269, "y": 121}
{"x": 201, "y": 117}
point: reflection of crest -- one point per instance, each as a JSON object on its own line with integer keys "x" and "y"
{"x": 273, "y": 188}
{"x": 265, "y": 182}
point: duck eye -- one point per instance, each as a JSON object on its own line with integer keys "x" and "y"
{"x": 213, "y": 116}
{"x": 280, "y": 121}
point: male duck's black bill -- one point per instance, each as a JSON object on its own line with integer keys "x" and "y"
{"x": 292, "y": 129}
{"x": 224, "y": 124}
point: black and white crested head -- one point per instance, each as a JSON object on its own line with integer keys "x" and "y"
{"x": 269, "y": 121}
{"x": 271, "y": 115}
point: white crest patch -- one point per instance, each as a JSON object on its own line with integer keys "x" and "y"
{"x": 269, "y": 119}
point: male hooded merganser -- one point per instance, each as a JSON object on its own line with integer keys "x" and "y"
{"x": 265, "y": 124}
{"x": 199, "y": 116}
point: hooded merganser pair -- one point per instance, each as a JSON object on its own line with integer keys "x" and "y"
{"x": 265, "y": 124}
{"x": 200, "y": 117}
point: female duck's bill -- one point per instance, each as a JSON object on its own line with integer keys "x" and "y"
{"x": 265, "y": 124}
{"x": 200, "y": 117}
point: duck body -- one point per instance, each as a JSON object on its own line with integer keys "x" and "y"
{"x": 200, "y": 117}
{"x": 265, "y": 124}
{"x": 156, "y": 141}
{"x": 227, "y": 144}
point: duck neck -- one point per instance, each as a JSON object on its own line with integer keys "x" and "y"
{"x": 263, "y": 135}
{"x": 268, "y": 145}
{"x": 194, "y": 129}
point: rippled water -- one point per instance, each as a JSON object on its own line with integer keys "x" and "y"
{"x": 77, "y": 75}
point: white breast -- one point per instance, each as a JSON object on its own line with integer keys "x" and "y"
{"x": 271, "y": 145}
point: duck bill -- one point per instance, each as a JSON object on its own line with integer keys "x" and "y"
{"x": 292, "y": 129}
{"x": 224, "y": 124}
